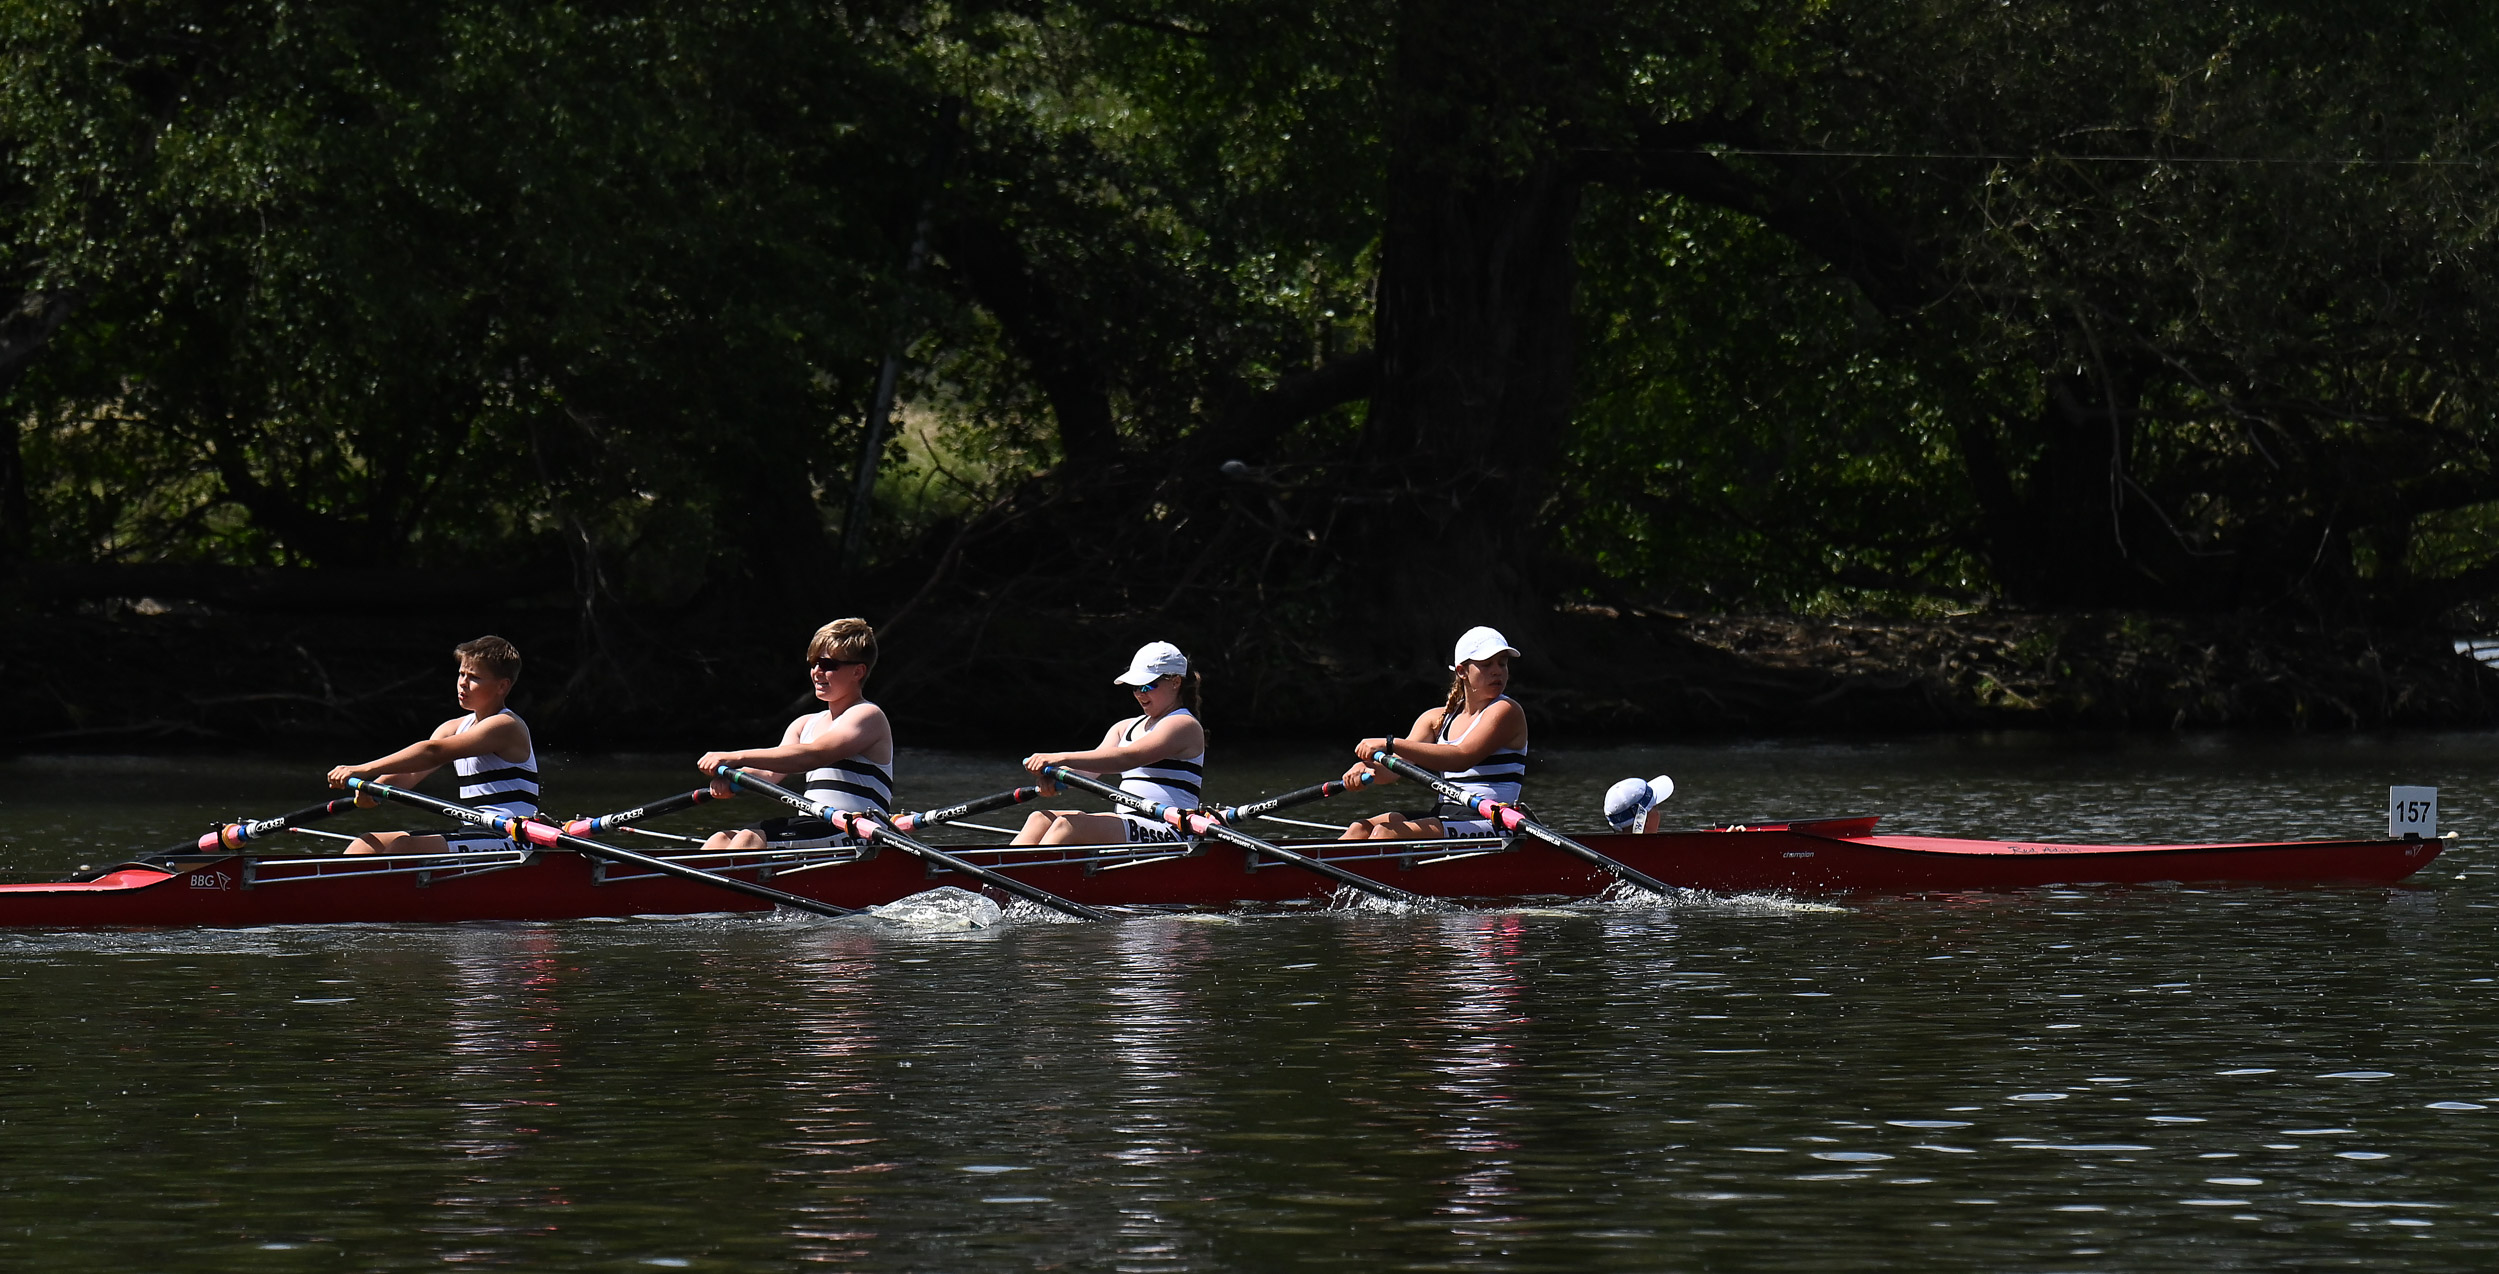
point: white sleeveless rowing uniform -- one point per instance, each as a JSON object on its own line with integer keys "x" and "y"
{"x": 1498, "y": 776}
{"x": 497, "y": 786}
{"x": 852, "y": 783}
{"x": 1174, "y": 781}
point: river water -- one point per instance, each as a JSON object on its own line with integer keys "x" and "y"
{"x": 2076, "y": 1079}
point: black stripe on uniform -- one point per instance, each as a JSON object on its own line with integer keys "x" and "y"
{"x": 855, "y": 789}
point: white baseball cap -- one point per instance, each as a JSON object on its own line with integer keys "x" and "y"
{"x": 1626, "y": 801}
{"x": 1154, "y": 661}
{"x": 1480, "y": 642}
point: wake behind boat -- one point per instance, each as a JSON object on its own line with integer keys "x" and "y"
{"x": 1818, "y": 858}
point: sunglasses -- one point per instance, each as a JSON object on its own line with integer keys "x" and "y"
{"x": 830, "y": 664}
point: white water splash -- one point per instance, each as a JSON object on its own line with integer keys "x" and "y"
{"x": 1630, "y": 897}
{"x": 943, "y": 908}
{"x": 1024, "y": 911}
{"x": 1348, "y": 898}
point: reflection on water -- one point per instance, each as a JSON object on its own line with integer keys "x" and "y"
{"x": 2072, "y": 1079}
{"x": 504, "y": 1053}
{"x": 833, "y": 1137}
{"x": 1472, "y": 1067}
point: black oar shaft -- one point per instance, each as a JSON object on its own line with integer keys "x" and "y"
{"x": 1298, "y": 796}
{"x": 656, "y": 809}
{"x": 235, "y": 835}
{"x": 1510, "y": 817}
{"x": 1197, "y": 823}
{"x": 531, "y": 832}
{"x": 867, "y": 829}
{"x": 978, "y": 805}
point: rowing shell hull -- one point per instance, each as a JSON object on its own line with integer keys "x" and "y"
{"x": 242, "y": 891}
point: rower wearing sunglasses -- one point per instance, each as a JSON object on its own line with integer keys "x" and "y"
{"x": 846, "y": 751}
{"x": 1158, "y": 754}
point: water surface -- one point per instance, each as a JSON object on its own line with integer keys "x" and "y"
{"x": 2065, "y": 1079}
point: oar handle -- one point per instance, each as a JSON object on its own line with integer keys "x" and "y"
{"x": 980, "y": 805}
{"x": 1201, "y": 823}
{"x": 527, "y": 831}
{"x": 234, "y": 836}
{"x": 656, "y": 809}
{"x": 867, "y": 829}
{"x": 1298, "y": 796}
{"x": 1510, "y": 818}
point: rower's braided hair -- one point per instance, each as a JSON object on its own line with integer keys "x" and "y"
{"x": 1190, "y": 691}
{"x": 1457, "y": 695}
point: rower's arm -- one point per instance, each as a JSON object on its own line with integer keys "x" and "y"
{"x": 1501, "y": 726}
{"x": 1172, "y": 736}
{"x": 1424, "y": 729}
{"x": 414, "y": 763}
{"x": 784, "y": 759}
{"x": 848, "y": 736}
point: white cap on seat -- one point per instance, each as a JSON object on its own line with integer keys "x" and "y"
{"x": 1626, "y": 801}
{"x": 1480, "y": 642}
{"x": 1154, "y": 661}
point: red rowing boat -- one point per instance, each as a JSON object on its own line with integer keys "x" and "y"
{"x": 1820, "y": 858}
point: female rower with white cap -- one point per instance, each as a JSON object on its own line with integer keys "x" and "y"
{"x": 1162, "y": 751}
{"x": 1631, "y": 805}
{"x": 1477, "y": 740}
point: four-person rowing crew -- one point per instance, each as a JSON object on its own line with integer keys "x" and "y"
{"x": 1468, "y": 840}
{"x": 1471, "y": 749}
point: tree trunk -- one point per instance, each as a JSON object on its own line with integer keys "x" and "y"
{"x": 23, "y": 333}
{"x": 2073, "y": 533}
{"x": 1476, "y": 349}
{"x": 16, "y": 516}
{"x": 997, "y": 274}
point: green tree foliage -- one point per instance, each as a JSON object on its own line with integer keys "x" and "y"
{"x": 2121, "y": 303}
{"x": 363, "y": 284}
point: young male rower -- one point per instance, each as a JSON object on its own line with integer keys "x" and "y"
{"x": 846, "y": 751}
{"x": 488, "y": 748}
{"x": 1162, "y": 751}
{"x": 1632, "y": 805}
{"x": 1477, "y": 740}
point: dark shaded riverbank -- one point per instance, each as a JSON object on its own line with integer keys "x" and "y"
{"x": 211, "y": 659}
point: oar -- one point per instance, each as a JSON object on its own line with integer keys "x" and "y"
{"x": 540, "y": 834}
{"x": 979, "y": 805}
{"x": 1509, "y": 816}
{"x": 1198, "y": 823}
{"x": 1298, "y": 796}
{"x": 666, "y": 805}
{"x": 867, "y": 829}
{"x": 234, "y": 835}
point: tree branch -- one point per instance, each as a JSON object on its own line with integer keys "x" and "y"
{"x": 993, "y": 268}
{"x": 1821, "y": 215}
{"x": 1252, "y": 423}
